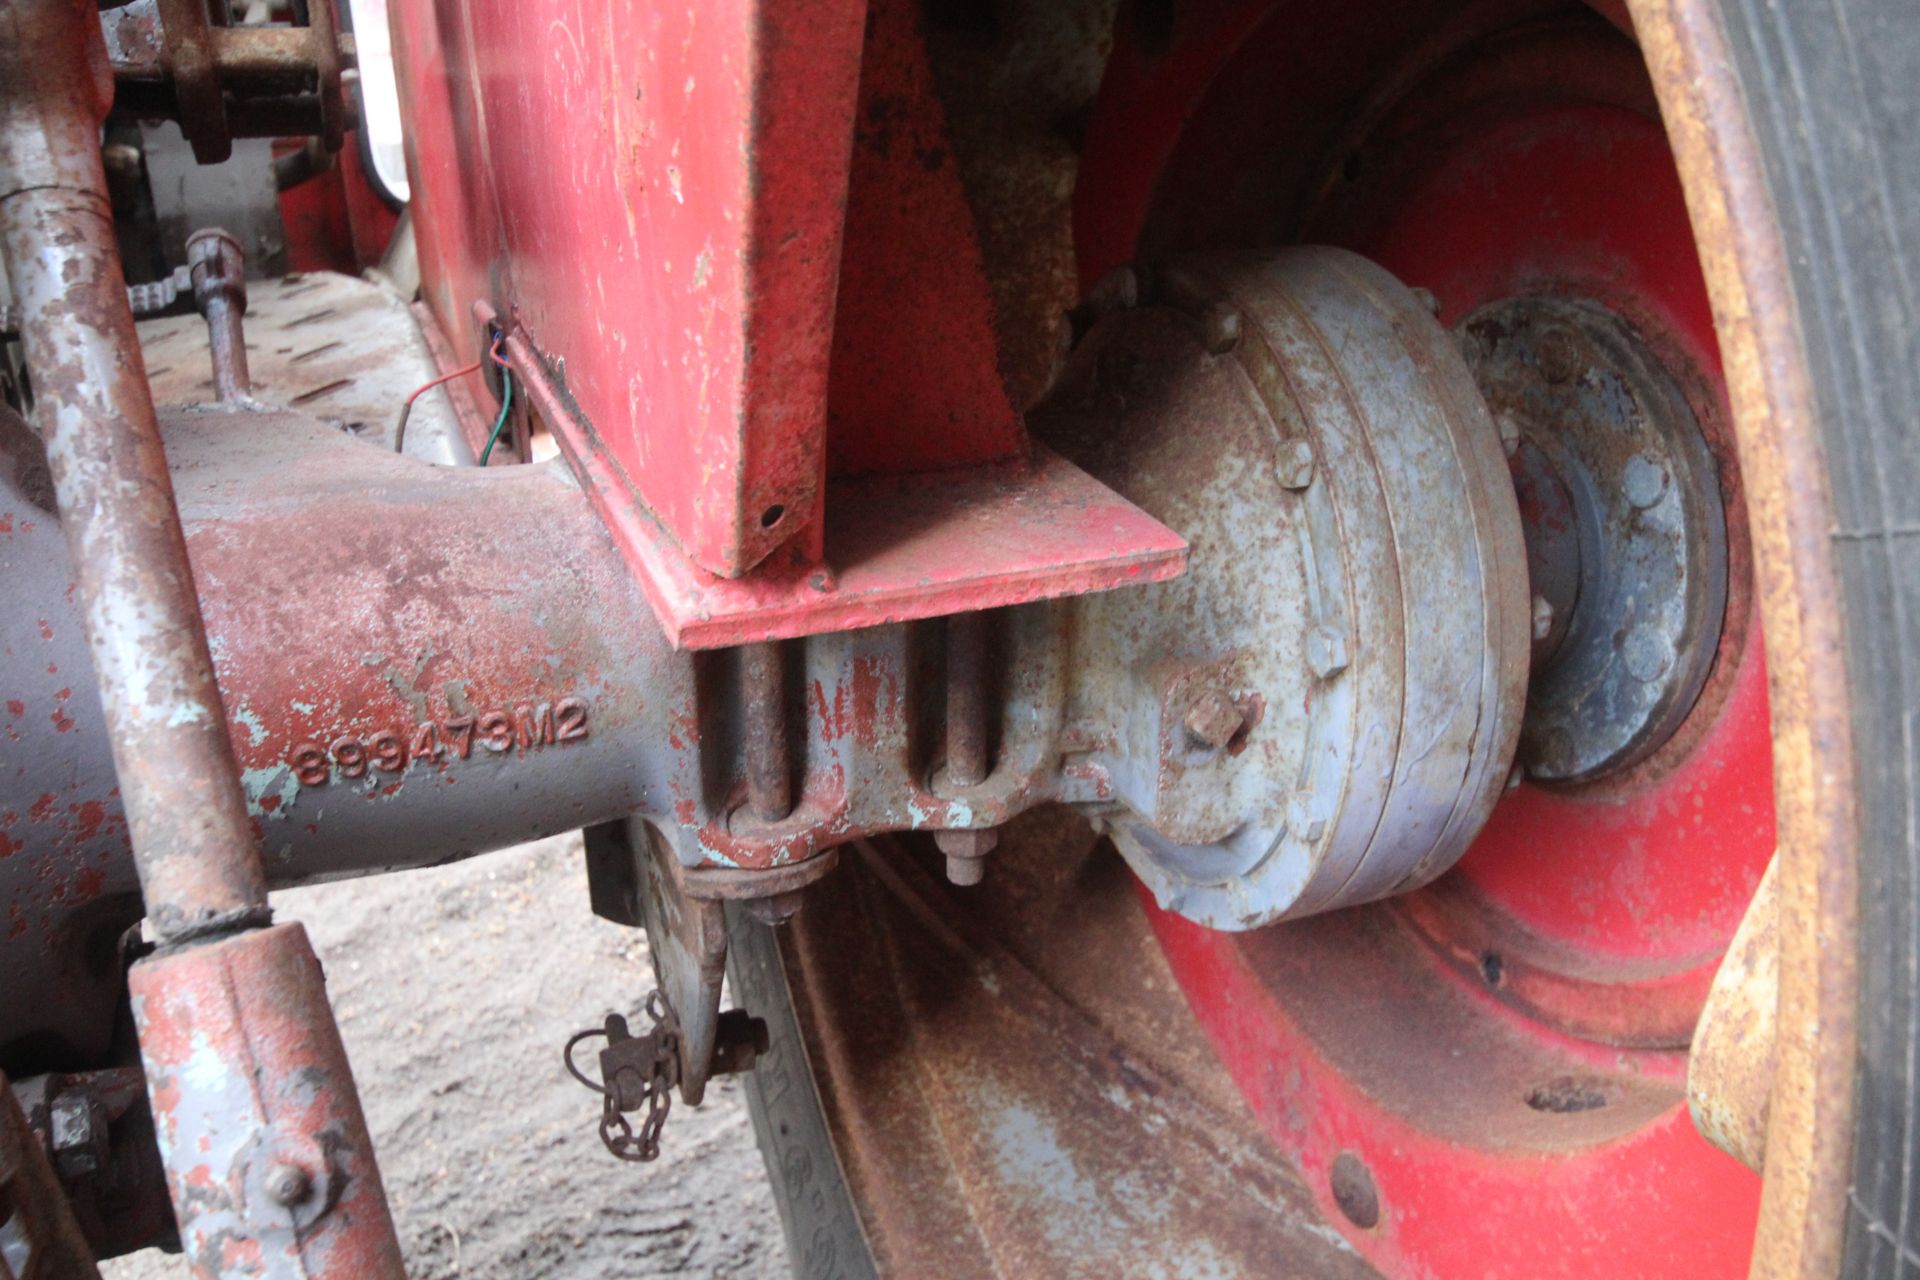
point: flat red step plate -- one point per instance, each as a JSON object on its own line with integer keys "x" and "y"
{"x": 897, "y": 547}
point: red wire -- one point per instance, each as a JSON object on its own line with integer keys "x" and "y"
{"x": 457, "y": 373}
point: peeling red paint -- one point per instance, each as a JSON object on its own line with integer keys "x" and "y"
{"x": 91, "y": 814}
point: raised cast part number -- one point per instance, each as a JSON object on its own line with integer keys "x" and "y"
{"x": 527, "y": 726}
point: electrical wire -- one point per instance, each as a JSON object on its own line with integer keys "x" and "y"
{"x": 406, "y": 409}
{"x": 506, "y": 407}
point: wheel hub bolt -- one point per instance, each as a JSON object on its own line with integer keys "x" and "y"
{"x": 1645, "y": 480}
{"x": 1296, "y": 464}
{"x": 1542, "y": 617}
{"x": 1327, "y": 651}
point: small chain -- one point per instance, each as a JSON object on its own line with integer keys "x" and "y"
{"x": 650, "y": 1073}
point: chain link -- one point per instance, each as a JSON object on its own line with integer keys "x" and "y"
{"x": 638, "y": 1073}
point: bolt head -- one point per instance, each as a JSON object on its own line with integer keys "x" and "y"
{"x": 1562, "y": 356}
{"x": 1214, "y": 719}
{"x": 1327, "y": 651}
{"x": 1644, "y": 482}
{"x": 1509, "y": 432}
{"x": 1542, "y": 617}
{"x": 1220, "y": 328}
{"x": 1304, "y": 816}
{"x": 288, "y": 1184}
{"x": 1296, "y": 464}
{"x": 1647, "y": 654}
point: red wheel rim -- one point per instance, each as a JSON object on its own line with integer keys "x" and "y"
{"x": 1495, "y": 1065}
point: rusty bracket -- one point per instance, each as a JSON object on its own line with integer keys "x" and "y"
{"x": 174, "y": 60}
{"x": 39, "y": 1236}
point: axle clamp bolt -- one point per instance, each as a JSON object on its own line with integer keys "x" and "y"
{"x": 1296, "y": 464}
{"x": 1214, "y": 719}
{"x": 966, "y": 852}
{"x": 1327, "y": 651}
{"x": 288, "y": 1184}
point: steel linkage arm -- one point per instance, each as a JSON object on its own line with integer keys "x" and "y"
{"x": 269, "y": 1164}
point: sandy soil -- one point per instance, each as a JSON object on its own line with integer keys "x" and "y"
{"x": 455, "y": 989}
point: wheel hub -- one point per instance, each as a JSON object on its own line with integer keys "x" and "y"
{"x": 1626, "y": 533}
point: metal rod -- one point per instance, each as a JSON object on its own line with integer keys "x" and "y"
{"x": 38, "y": 1230}
{"x": 763, "y": 694}
{"x": 192, "y": 839}
{"x": 968, "y": 753}
{"x": 221, "y": 999}
{"x": 219, "y": 267}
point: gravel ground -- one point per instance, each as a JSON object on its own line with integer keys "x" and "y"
{"x": 455, "y": 988}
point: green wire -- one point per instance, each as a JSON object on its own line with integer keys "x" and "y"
{"x": 506, "y": 404}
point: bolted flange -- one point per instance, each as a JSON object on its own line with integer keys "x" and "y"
{"x": 1625, "y": 529}
{"x": 1357, "y": 575}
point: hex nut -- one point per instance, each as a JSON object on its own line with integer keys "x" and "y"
{"x": 1296, "y": 464}
{"x": 966, "y": 852}
{"x": 74, "y": 1135}
{"x": 1214, "y": 719}
{"x": 1326, "y": 651}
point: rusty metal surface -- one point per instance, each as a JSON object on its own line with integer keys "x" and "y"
{"x": 39, "y": 1237}
{"x": 178, "y": 782}
{"x": 99, "y": 1130}
{"x": 1810, "y": 1118}
{"x": 219, "y": 273}
{"x": 1622, "y": 485}
{"x": 687, "y": 941}
{"x": 222, "y": 82}
{"x": 202, "y": 885}
{"x": 342, "y": 349}
{"x": 254, "y": 1105}
{"x": 1001, "y": 1106}
{"x": 763, "y": 699}
{"x": 1357, "y": 592}
{"x": 1730, "y": 1070}
{"x": 969, "y": 756}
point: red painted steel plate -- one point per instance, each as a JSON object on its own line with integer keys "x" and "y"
{"x": 657, "y": 192}
{"x": 897, "y": 547}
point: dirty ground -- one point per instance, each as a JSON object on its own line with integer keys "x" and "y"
{"x": 455, "y": 988}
